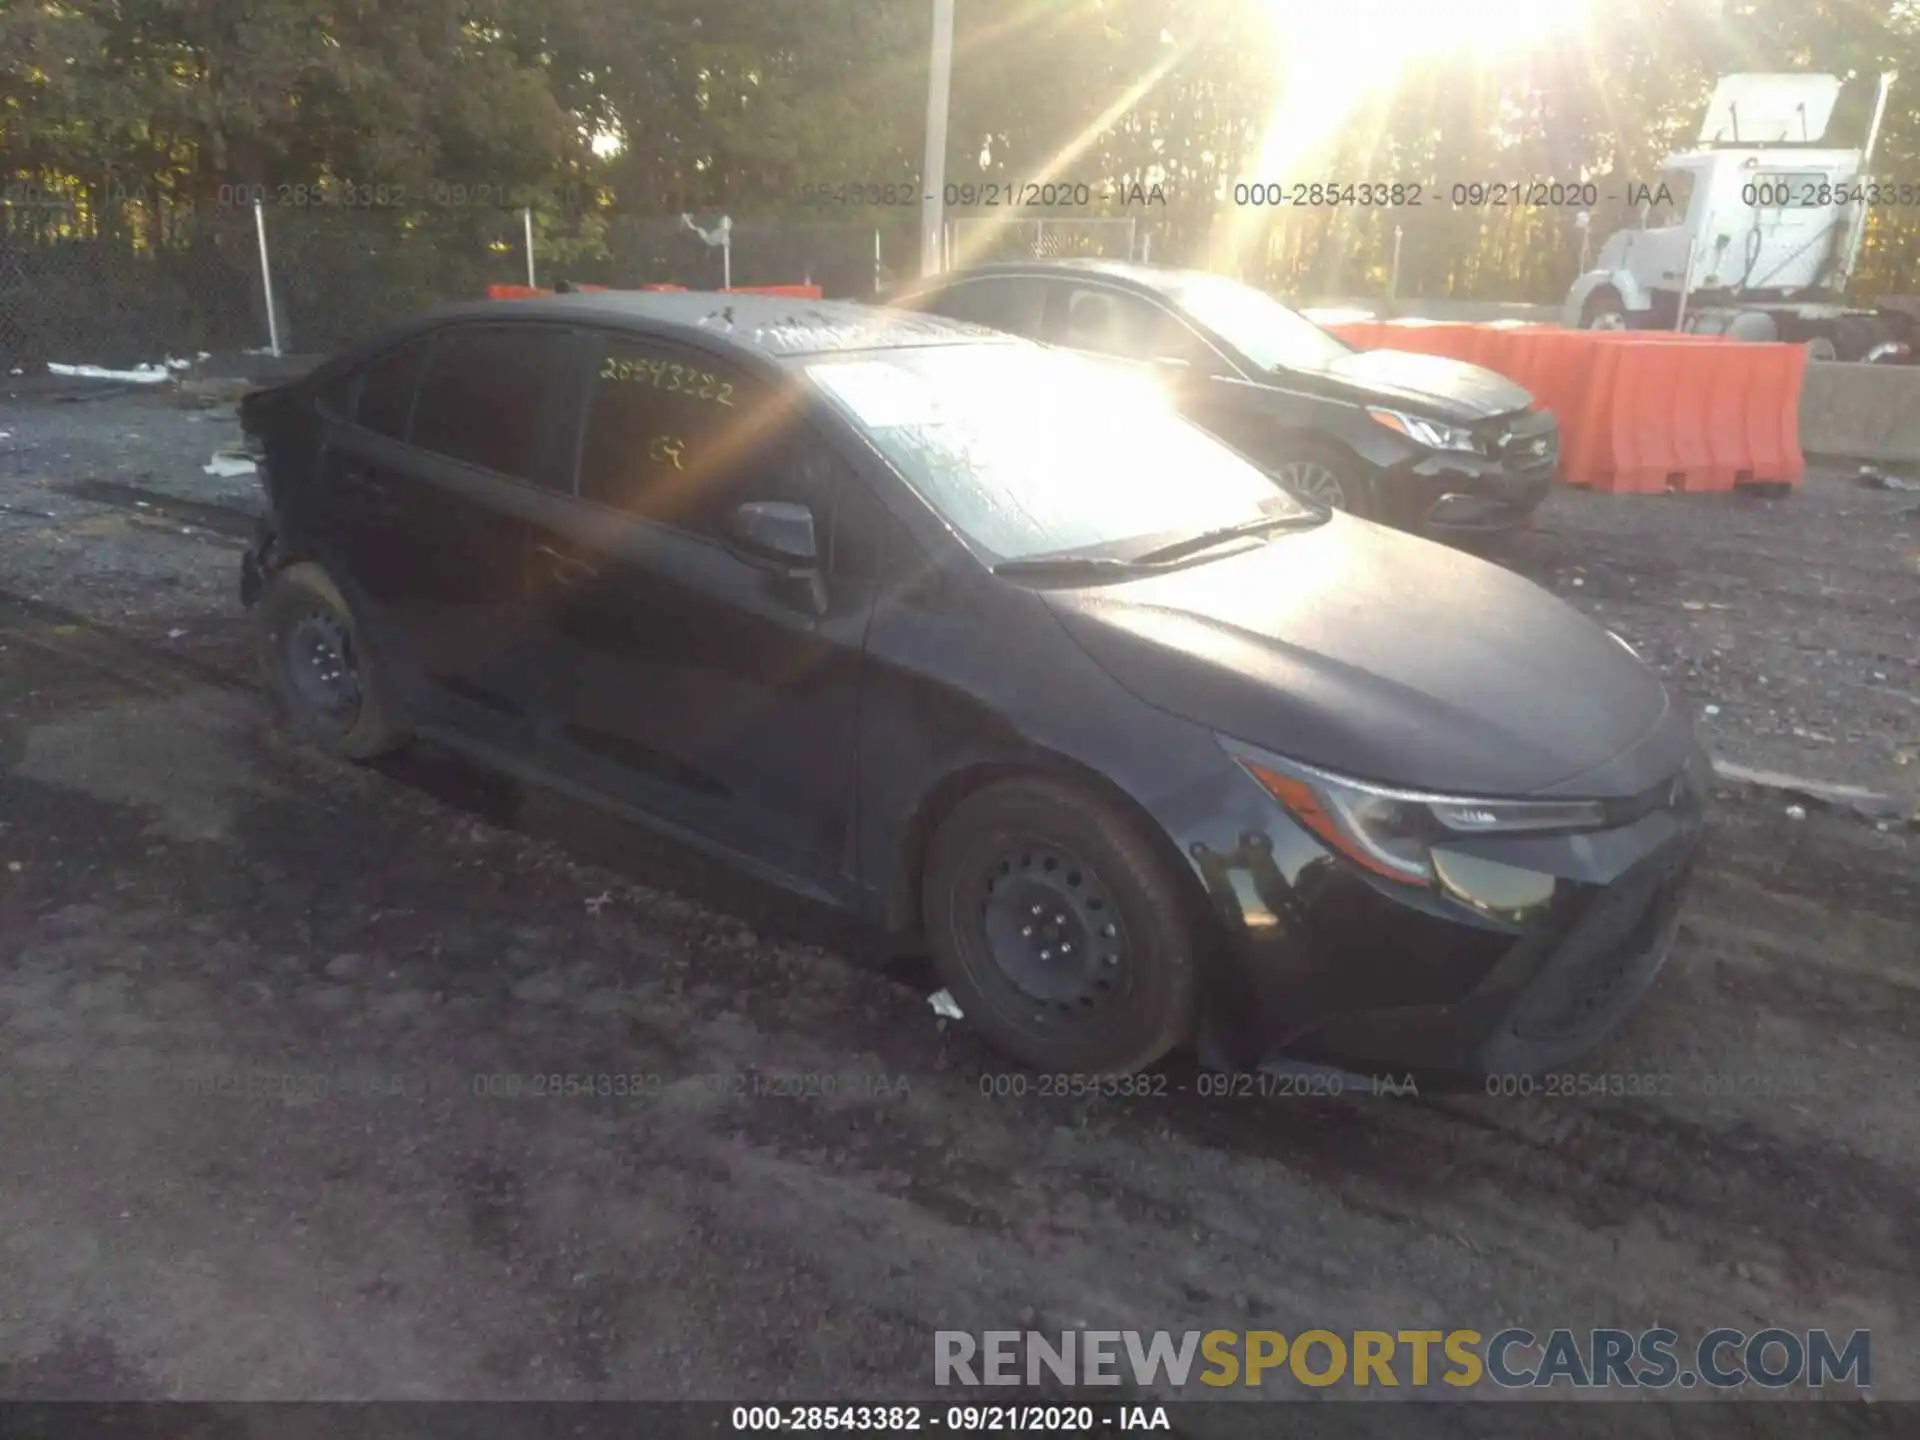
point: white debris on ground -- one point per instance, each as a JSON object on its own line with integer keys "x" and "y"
{"x": 944, "y": 1005}
{"x": 228, "y": 463}
{"x": 139, "y": 375}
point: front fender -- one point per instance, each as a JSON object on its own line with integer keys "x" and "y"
{"x": 1632, "y": 294}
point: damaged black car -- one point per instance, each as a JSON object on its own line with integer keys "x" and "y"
{"x": 975, "y": 638}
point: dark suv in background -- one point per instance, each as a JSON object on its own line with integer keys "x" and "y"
{"x": 1422, "y": 442}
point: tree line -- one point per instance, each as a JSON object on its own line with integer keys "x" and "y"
{"x": 597, "y": 109}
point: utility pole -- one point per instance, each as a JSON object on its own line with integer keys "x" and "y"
{"x": 934, "y": 172}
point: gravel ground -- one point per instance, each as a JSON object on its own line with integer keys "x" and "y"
{"x": 183, "y": 893}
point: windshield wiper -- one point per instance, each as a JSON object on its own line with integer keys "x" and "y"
{"x": 1066, "y": 567}
{"x": 1208, "y": 539}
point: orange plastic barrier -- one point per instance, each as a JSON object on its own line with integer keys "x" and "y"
{"x": 1640, "y": 411}
{"x": 1361, "y": 334}
{"x": 514, "y": 292}
{"x": 1659, "y": 416}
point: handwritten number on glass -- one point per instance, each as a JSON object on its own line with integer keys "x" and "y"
{"x": 671, "y": 377}
{"x": 668, "y": 451}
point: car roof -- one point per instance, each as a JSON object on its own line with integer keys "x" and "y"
{"x": 1126, "y": 273}
{"x": 772, "y": 327}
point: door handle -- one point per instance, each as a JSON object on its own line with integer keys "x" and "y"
{"x": 565, "y": 569}
{"x": 362, "y": 479}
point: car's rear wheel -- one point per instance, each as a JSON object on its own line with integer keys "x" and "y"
{"x": 319, "y": 671}
{"x": 1059, "y": 930}
{"x": 1324, "y": 478}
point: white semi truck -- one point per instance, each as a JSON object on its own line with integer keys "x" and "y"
{"x": 1755, "y": 233}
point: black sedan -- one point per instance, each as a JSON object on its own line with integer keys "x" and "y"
{"x": 987, "y": 644}
{"x": 1421, "y": 442}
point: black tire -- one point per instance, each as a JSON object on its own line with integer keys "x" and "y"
{"x": 301, "y": 613}
{"x": 1604, "y": 310}
{"x": 1129, "y": 996}
{"x": 1356, "y": 494}
{"x": 1855, "y": 335}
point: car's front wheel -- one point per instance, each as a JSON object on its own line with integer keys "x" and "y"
{"x": 319, "y": 671}
{"x": 1059, "y": 930}
{"x": 1324, "y": 478}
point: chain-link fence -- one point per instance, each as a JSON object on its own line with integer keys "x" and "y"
{"x": 80, "y": 284}
{"x": 985, "y": 239}
{"x": 124, "y": 284}
{"x": 121, "y": 284}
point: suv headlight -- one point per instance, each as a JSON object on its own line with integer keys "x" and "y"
{"x": 1392, "y": 832}
{"x": 1430, "y": 433}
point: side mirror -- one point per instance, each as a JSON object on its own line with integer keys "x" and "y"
{"x": 777, "y": 530}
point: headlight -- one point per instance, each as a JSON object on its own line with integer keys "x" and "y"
{"x": 1392, "y": 832}
{"x": 1430, "y": 433}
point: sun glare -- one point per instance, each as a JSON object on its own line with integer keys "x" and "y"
{"x": 1378, "y": 36}
{"x": 1337, "y": 54}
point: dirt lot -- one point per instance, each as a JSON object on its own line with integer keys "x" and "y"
{"x": 184, "y": 895}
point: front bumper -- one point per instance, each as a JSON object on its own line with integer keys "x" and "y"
{"x": 1531, "y": 954}
{"x": 1451, "y": 492}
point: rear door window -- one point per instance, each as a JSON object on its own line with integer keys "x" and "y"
{"x": 341, "y": 395}
{"x": 383, "y": 392}
{"x": 485, "y": 395}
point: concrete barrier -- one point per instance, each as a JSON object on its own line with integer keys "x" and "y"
{"x": 1861, "y": 412}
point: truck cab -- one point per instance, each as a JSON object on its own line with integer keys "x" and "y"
{"x": 1753, "y": 234}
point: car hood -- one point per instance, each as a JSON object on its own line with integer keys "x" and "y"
{"x": 1388, "y": 658}
{"x": 1429, "y": 384}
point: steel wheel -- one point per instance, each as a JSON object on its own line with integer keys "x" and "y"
{"x": 320, "y": 674}
{"x": 317, "y": 649}
{"x": 1608, "y": 320}
{"x": 1822, "y": 347}
{"x": 1052, "y": 930}
{"x": 1311, "y": 480}
{"x": 1059, "y": 929}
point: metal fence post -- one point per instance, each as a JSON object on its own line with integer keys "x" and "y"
{"x": 526, "y": 220}
{"x": 266, "y": 277}
{"x": 1393, "y": 275}
{"x": 877, "y": 268}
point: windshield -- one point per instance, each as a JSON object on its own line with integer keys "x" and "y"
{"x": 1269, "y": 334}
{"x": 1029, "y": 451}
